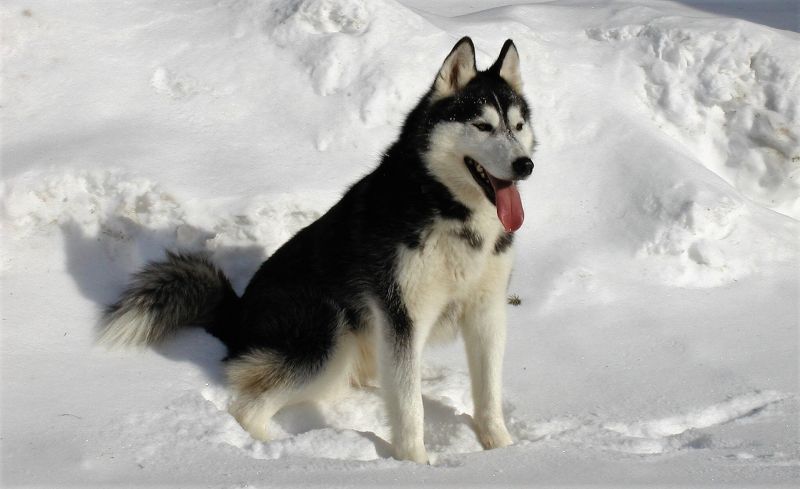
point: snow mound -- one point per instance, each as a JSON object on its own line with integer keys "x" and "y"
{"x": 700, "y": 231}
{"x": 690, "y": 234}
{"x": 325, "y": 16}
{"x": 134, "y": 219}
{"x": 355, "y": 427}
{"x": 346, "y": 49}
{"x": 187, "y": 422}
{"x": 723, "y": 412}
{"x": 656, "y": 436}
{"x": 37, "y": 200}
{"x": 352, "y": 428}
{"x": 731, "y": 94}
{"x": 177, "y": 86}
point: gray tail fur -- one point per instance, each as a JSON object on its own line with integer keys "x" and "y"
{"x": 184, "y": 290}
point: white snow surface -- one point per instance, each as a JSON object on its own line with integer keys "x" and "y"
{"x": 657, "y": 337}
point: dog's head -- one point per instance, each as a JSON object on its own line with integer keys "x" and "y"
{"x": 480, "y": 138}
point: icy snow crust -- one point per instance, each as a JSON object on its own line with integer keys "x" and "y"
{"x": 657, "y": 336}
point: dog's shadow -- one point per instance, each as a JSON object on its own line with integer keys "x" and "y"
{"x": 102, "y": 266}
{"x": 311, "y": 416}
{"x": 443, "y": 423}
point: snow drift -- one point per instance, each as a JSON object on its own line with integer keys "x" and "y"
{"x": 656, "y": 338}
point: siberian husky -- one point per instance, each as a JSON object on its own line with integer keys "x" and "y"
{"x": 418, "y": 248}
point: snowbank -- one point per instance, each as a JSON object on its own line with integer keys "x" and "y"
{"x": 730, "y": 94}
{"x": 656, "y": 338}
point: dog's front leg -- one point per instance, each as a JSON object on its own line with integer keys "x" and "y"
{"x": 484, "y": 329}
{"x": 400, "y": 365}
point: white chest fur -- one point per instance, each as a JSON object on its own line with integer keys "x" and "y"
{"x": 455, "y": 264}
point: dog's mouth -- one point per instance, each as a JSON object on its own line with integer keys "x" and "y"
{"x": 481, "y": 176}
{"x": 503, "y": 194}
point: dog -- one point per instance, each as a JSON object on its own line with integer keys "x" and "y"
{"x": 418, "y": 249}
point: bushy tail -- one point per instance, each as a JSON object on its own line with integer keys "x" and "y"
{"x": 184, "y": 290}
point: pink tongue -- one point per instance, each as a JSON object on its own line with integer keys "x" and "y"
{"x": 509, "y": 204}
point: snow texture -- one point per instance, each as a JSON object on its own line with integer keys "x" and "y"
{"x": 656, "y": 338}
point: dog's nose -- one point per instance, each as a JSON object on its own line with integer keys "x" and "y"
{"x": 522, "y": 167}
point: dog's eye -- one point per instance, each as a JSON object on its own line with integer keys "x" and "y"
{"x": 519, "y": 126}
{"x": 483, "y": 127}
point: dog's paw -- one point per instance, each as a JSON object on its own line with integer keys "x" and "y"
{"x": 494, "y": 434}
{"x": 415, "y": 453}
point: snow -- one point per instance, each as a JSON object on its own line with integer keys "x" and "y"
{"x": 657, "y": 337}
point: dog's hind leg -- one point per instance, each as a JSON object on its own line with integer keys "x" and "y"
{"x": 261, "y": 384}
{"x": 264, "y": 382}
{"x": 364, "y": 372}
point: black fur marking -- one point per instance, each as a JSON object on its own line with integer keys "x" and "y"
{"x": 473, "y": 239}
{"x": 504, "y": 242}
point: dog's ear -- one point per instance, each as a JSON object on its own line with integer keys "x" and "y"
{"x": 507, "y": 66}
{"x": 457, "y": 70}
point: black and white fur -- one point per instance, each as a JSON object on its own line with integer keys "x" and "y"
{"x": 412, "y": 251}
